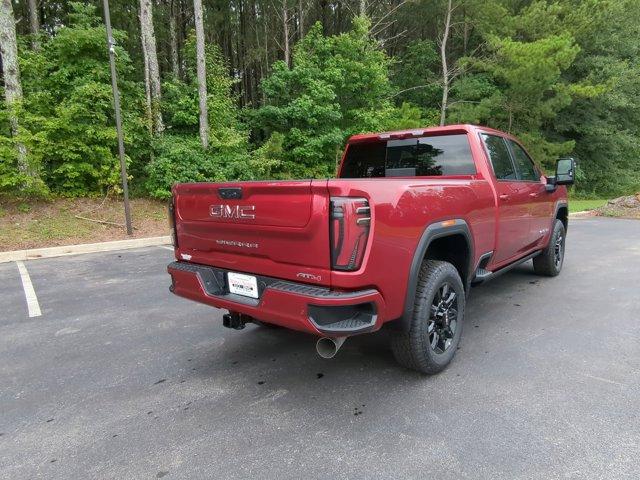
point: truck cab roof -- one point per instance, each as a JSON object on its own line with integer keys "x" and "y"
{"x": 417, "y": 132}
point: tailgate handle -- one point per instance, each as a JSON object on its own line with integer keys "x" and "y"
{"x": 230, "y": 193}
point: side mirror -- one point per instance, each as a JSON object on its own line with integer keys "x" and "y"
{"x": 565, "y": 171}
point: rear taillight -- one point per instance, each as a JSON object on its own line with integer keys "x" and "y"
{"x": 349, "y": 229}
{"x": 172, "y": 224}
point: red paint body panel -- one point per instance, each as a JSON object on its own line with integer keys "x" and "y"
{"x": 401, "y": 210}
{"x": 289, "y": 236}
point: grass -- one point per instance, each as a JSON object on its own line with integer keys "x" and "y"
{"x": 46, "y": 224}
{"x": 579, "y": 205}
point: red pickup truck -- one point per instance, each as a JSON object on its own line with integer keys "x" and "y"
{"x": 412, "y": 221}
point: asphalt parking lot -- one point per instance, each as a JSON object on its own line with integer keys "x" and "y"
{"x": 117, "y": 378}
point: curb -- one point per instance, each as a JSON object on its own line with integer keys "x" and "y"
{"x": 49, "y": 252}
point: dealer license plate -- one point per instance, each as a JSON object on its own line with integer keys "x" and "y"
{"x": 241, "y": 284}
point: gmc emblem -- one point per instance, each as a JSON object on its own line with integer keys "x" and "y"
{"x": 233, "y": 211}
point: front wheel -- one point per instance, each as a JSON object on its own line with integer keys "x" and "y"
{"x": 436, "y": 323}
{"x": 549, "y": 262}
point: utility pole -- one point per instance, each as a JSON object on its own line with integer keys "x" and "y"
{"x": 116, "y": 103}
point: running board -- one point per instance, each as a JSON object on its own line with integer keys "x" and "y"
{"x": 482, "y": 275}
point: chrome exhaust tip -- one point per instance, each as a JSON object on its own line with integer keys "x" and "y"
{"x": 328, "y": 347}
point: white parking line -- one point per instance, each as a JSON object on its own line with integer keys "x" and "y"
{"x": 164, "y": 246}
{"x": 29, "y": 292}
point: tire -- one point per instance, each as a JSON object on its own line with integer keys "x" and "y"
{"x": 435, "y": 329}
{"x": 549, "y": 262}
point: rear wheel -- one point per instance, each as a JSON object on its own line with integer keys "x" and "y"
{"x": 436, "y": 323}
{"x": 550, "y": 261}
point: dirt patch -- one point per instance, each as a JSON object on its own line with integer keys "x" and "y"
{"x": 621, "y": 207}
{"x": 54, "y": 223}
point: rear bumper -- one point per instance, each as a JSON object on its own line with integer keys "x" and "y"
{"x": 297, "y": 306}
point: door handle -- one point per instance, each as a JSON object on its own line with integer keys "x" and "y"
{"x": 534, "y": 195}
{"x": 504, "y": 197}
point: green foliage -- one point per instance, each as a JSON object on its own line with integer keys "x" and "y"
{"x": 408, "y": 115}
{"x": 518, "y": 88}
{"x": 606, "y": 125}
{"x": 179, "y": 158}
{"x": 338, "y": 86}
{"x": 561, "y": 75}
{"x": 68, "y": 102}
{"x": 415, "y": 74}
{"x": 180, "y": 101}
{"x": 13, "y": 179}
{"x": 178, "y": 155}
{"x": 264, "y": 163}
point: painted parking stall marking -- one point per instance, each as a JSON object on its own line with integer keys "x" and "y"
{"x": 29, "y": 292}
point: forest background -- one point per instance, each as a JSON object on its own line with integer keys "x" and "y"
{"x": 286, "y": 82}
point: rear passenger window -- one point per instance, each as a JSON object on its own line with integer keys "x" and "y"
{"x": 500, "y": 158}
{"x": 421, "y": 157}
{"x": 524, "y": 164}
{"x": 364, "y": 160}
{"x": 445, "y": 155}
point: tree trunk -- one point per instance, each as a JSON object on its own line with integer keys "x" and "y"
{"x": 445, "y": 68}
{"x": 362, "y": 8}
{"x": 147, "y": 90}
{"x": 173, "y": 39}
{"x": 11, "y": 73}
{"x": 202, "y": 73}
{"x": 257, "y": 60}
{"x": 34, "y": 24}
{"x": 465, "y": 34}
{"x": 151, "y": 60}
{"x": 300, "y": 20}
{"x": 285, "y": 29}
{"x": 266, "y": 55}
{"x": 324, "y": 16}
{"x": 243, "y": 58}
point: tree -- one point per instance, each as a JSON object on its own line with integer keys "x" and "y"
{"x": 151, "y": 68}
{"x": 300, "y": 19}
{"x": 604, "y": 120}
{"x": 562, "y": 75}
{"x": 517, "y": 84}
{"x": 9, "y": 52}
{"x": 362, "y": 8}
{"x": 201, "y": 73}
{"x": 416, "y": 75}
{"x": 68, "y": 102}
{"x": 179, "y": 155}
{"x": 173, "y": 37}
{"x": 34, "y": 24}
{"x": 446, "y": 78}
{"x": 285, "y": 32}
{"x": 337, "y": 86}
{"x": 12, "y": 85}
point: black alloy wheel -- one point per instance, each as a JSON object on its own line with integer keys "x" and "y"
{"x": 443, "y": 321}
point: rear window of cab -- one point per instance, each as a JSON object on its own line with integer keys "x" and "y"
{"x": 430, "y": 156}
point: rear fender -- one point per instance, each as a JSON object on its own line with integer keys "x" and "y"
{"x": 432, "y": 232}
